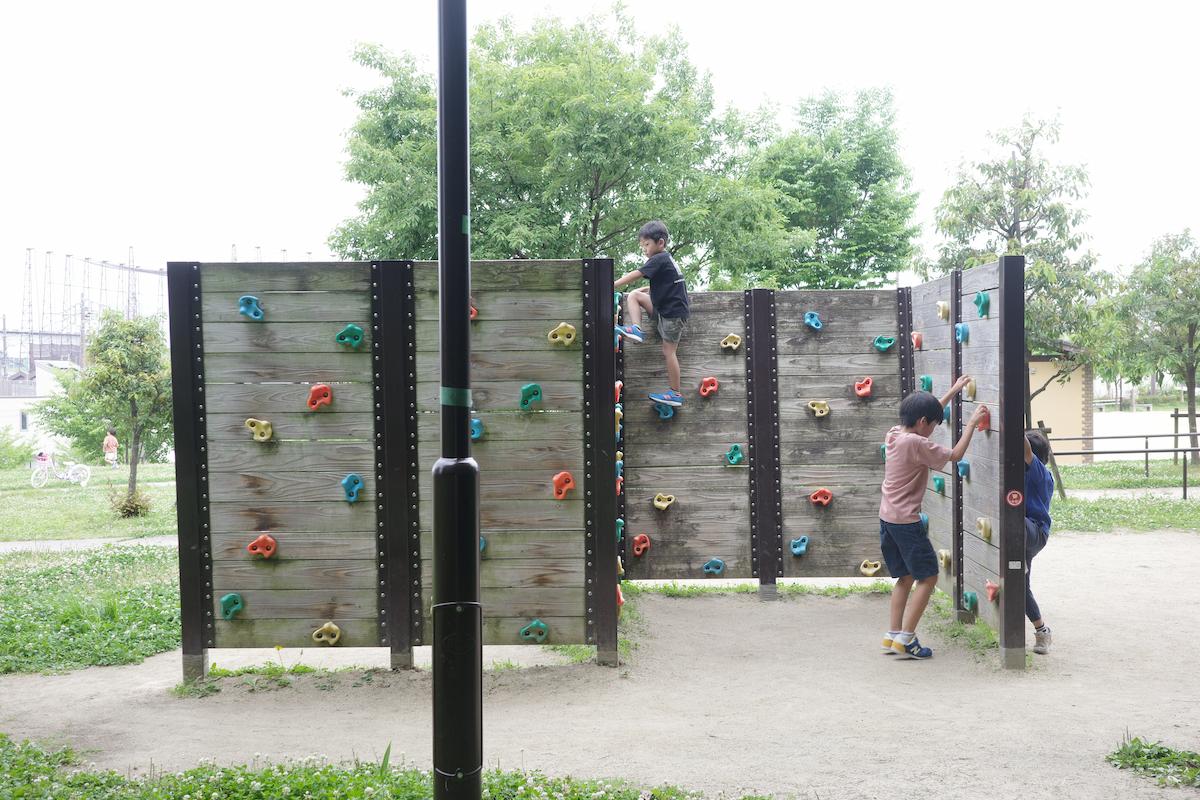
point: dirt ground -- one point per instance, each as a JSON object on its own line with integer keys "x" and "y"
{"x": 731, "y": 694}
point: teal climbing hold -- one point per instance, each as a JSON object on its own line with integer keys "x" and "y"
{"x": 813, "y": 320}
{"x": 619, "y": 429}
{"x": 926, "y": 383}
{"x": 964, "y": 469}
{"x": 352, "y": 484}
{"x": 535, "y": 631}
{"x": 620, "y": 469}
{"x": 939, "y": 484}
{"x": 799, "y": 546}
{"x": 883, "y": 452}
{"x": 231, "y": 604}
{"x": 734, "y": 455}
{"x": 962, "y": 333}
{"x": 530, "y": 393}
{"x": 982, "y": 302}
{"x": 351, "y": 336}
{"x": 664, "y": 411}
{"x": 970, "y": 601}
{"x": 946, "y": 415}
{"x": 476, "y": 429}
{"x": 924, "y": 522}
{"x": 620, "y": 530}
{"x": 248, "y": 306}
{"x": 482, "y": 544}
{"x": 617, "y": 340}
{"x": 884, "y": 343}
{"x": 714, "y": 566}
{"x": 616, "y": 302}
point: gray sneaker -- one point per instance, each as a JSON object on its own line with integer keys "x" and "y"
{"x": 1041, "y": 643}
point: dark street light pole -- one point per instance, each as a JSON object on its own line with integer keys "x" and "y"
{"x": 457, "y": 619}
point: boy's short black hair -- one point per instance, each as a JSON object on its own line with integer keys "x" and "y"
{"x": 655, "y": 231}
{"x": 112, "y": 431}
{"x": 1039, "y": 444}
{"x": 918, "y": 406}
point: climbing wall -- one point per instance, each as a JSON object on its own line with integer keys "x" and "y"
{"x": 829, "y": 344}
{"x": 687, "y": 455}
{"x": 933, "y": 366}
{"x": 285, "y": 547}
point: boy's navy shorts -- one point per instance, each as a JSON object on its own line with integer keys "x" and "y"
{"x": 906, "y": 550}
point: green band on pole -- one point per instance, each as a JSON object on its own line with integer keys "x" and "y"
{"x": 466, "y": 224}
{"x": 451, "y": 396}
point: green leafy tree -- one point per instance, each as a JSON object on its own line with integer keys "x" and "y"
{"x": 1018, "y": 202}
{"x": 1114, "y": 339}
{"x": 844, "y": 192}
{"x": 126, "y": 384}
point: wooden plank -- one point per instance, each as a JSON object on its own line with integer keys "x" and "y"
{"x": 546, "y": 455}
{"x": 510, "y": 275}
{"x": 504, "y": 485}
{"x": 983, "y": 364}
{"x": 292, "y": 425}
{"x": 299, "y": 603}
{"x": 498, "y": 335}
{"x": 810, "y": 342}
{"x": 645, "y": 367}
{"x": 563, "y": 573}
{"x": 695, "y": 451}
{"x": 329, "y": 517}
{"x": 724, "y": 415}
{"x": 281, "y": 337}
{"x": 851, "y": 484}
{"x": 844, "y": 412}
{"x": 689, "y": 505}
{"x": 520, "y": 514}
{"x": 557, "y": 395}
{"x": 974, "y": 580}
{"x": 551, "y": 307}
{"x": 510, "y": 427}
{"x": 976, "y": 506}
{"x": 528, "y": 366}
{"x": 791, "y": 304}
{"x": 272, "y": 276}
{"x": 981, "y": 333}
{"x": 507, "y": 630}
{"x": 293, "y": 632}
{"x": 340, "y": 547}
{"x": 984, "y": 554}
{"x": 266, "y": 399}
{"x": 523, "y": 545}
{"x": 288, "y": 367}
{"x": 277, "y": 573}
{"x": 331, "y": 307}
{"x": 253, "y": 487}
{"x": 682, "y": 554}
{"x": 525, "y": 602}
{"x": 984, "y": 445}
{"x": 829, "y": 452}
{"x": 832, "y": 553}
{"x": 290, "y": 457}
{"x": 851, "y": 365}
{"x": 982, "y": 277}
{"x": 696, "y": 478}
{"x": 885, "y": 385}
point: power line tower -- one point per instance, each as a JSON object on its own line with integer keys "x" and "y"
{"x": 25, "y": 349}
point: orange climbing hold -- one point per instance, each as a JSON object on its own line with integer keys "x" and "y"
{"x": 563, "y": 483}
{"x": 985, "y": 420}
{"x": 641, "y": 543}
{"x": 617, "y": 387}
{"x": 993, "y": 591}
{"x": 620, "y": 485}
{"x": 709, "y": 386}
{"x": 474, "y": 312}
{"x": 620, "y": 600}
{"x": 863, "y": 387}
{"x": 821, "y": 497}
{"x": 319, "y": 395}
{"x": 263, "y": 546}
{"x": 918, "y": 339}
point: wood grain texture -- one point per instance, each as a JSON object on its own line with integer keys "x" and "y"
{"x": 676, "y": 553}
{"x": 288, "y": 367}
{"x": 253, "y": 488}
{"x": 300, "y": 603}
{"x": 700, "y": 450}
{"x": 982, "y": 333}
{"x": 983, "y": 364}
{"x": 270, "y": 276}
{"x": 293, "y": 632}
{"x": 564, "y": 395}
{"x": 340, "y": 547}
{"x": 294, "y": 425}
{"x": 718, "y": 416}
{"x": 983, "y": 500}
{"x": 974, "y": 580}
{"x": 500, "y": 335}
{"x": 281, "y": 337}
{"x": 290, "y": 457}
{"x": 538, "y": 365}
{"x": 550, "y": 307}
{"x": 562, "y": 573}
{"x": 984, "y": 276}
{"x": 690, "y": 506}
{"x": 332, "y": 516}
{"x": 645, "y": 371}
{"x": 837, "y": 308}
{"x": 810, "y": 342}
{"x": 277, "y": 573}
{"x": 525, "y": 603}
{"x": 266, "y": 399}
{"x": 509, "y": 428}
{"x": 521, "y": 514}
{"x": 985, "y": 554}
{"x": 848, "y": 365}
{"x": 696, "y": 478}
{"x": 524, "y": 545}
{"x": 547, "y": 456}
{"x": 843, "y": 411}
{"x": 832, "y": 554}
{"x": 331, "y": 307}
{"x": 884, "y": 386}
{"x": 509, "y": 275}
{"x": 503, "y": 484}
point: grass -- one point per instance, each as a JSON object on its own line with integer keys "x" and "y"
{"x": 1167, "y": 766}
{"x": 63, "y": 611}
{"x": 61, "y": 510}
{"x": 1125, "y": 474}
{"x": 30, "y": 771}
{"x": 674, "y": 589}
{"x": 1134, "y": 513}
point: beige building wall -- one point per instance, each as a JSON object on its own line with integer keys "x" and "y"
{"x": 1065, "y": 408}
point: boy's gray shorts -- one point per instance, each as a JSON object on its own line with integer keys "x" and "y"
{"x": 670, "y": 329}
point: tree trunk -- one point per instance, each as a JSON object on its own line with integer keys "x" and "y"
{"x": 1190, "y": 377}
{"x": 135, "y": 446}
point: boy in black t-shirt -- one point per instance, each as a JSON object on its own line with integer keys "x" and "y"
{"x": 666, "y": 298}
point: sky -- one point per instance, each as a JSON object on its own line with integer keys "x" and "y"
{"x": 182, "y": 130}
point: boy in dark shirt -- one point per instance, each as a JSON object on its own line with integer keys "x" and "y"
{"x": 666, "y": 298}
{"x": 1039, "y": 489}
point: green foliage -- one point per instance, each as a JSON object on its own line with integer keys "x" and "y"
{"x": 66, "y": 610}
{"x": 1132, "y": 513}
{"x": 1122, "y": 474}
{"x": 130, "y": 505}
{"x": 1169, "y": 767}
{"x": 15, "y": 451}
{"x": 1114, "y": 337}
{"x": 674, "y": 589}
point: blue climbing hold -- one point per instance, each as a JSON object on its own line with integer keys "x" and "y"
{"x": 800, "y": 546}
{"x": 924, "y": 522}
{"x": 617, "y": 340}
{"x": 664, "y": 411}
{"x": 962, "y": 333}
{"x": 714, "y": 566}
{"x": 620, "y": 469}
{"x": 476, "y": 429}
{"x": 536, "y": 631}
{"x": 482, "y": 544}
{"x": 530, "y": 393}
{"x": 248, "y": 307}
{"x": 813, "y": 320}
{"x": 982, "y": 302}
{"x": 939, "y": 484}
{"x": 231, "y": 604}
{"x": 352, "y": 485}
{"x": 620, "y": 530}
{"x": 619, "y": 429}
{"x": 926, "y": 383}
{"x": 734, "y": 455}
{"x": 616, "y": 302}
{"x": 946, "y": 415}
{"x": 964, "y": 469}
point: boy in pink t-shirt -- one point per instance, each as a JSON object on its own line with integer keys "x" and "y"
{"x": 903, "y": 538}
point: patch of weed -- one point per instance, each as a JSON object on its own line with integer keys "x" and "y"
{"x": 504, "y": 665}
{"x": 1134, "y": 513}
{"x": 196, "y": 689}
{"x": 575, "y": 653}
{"x": 1167, "y": 766}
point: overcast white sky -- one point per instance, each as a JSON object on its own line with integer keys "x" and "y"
{"x": 181, "y": 132}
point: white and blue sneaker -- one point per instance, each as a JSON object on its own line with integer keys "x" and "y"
{"x": 668, "y": 398}
{"x": 632, "y": 332}
{"x": 912, "y": 649}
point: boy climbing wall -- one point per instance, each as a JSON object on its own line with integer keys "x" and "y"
{"x": 666, "y": 298}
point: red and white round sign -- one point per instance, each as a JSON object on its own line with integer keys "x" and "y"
{"x": 1015, "y": 498}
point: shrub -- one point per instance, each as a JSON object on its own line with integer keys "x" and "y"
{"x": 15, "y": 451}
{"x": 130, "y": 505}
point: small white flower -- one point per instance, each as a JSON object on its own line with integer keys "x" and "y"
{"x": 285, "y": 791}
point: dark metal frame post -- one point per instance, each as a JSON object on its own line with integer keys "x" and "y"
{"x": 904, "y": 326}
{"x": 398, "y": 526}
{"x": 599, "y": 454}
{"x": 1012, "y": 461}
{"x": 762, "y": 418}
{"x": 457, "y": 613}
{"x": 191, "y": 466}
{"x": 956, "y": 431}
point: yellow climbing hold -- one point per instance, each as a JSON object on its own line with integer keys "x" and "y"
{"x": 260, "y": 428}
{"x": 983, "y": 526}
{"x": 663, "y": 501}
{"x": 870, "y": 568}
{"x": 820, "y": 408}
{"x": 618, "y": 413}
{"x": 944, "y": 559}
{"x": 971, "y": 389}
{"x": 620, "y": 568}
{"x": 943, "y": 308}
{"x": 731, "y": 342}
{"x": 564, "y": 334}
{"x": 620, "y": 456}
{"x": 327, "y": 634}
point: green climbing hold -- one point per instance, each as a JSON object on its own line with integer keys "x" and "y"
{"x": 939, "y": 484}
{"x": 351, "y": 336}
{"x": 535, "y": 631}
{"x": 884, "y": 343}
{"x": 970, "y": 601}
{"x": 530, "y": 393}
{"x": 620, "y": 530}
{"x": 883, "y": 452}
{"x": 926, "y": 383}
{"x": 231, "y": 604}
{"x": 962, "y": 332}
{"x": 616, "y": 302}
{"x": 982, "y": 303}
{"x": 946, "y": 415}
{"x": 734, "y": 455}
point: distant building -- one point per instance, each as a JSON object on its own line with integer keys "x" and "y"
{"x": 1065, "y": 407}
{"x": 16, "y": 408}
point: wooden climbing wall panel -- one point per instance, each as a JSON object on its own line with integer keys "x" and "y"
{"x": 532, "y": 565}
{"x": 685, "y": 455}
{"x": 837, "y": 451}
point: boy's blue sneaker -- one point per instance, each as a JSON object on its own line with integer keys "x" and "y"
{"x": 632, "y": 332}
{"x": 668, "y": 398}
{"x": 912, "y": 650}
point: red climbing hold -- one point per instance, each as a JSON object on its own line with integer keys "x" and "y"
{"x": 620, "y": 485}
{"x": 641, "y": 543}
{"x": 319, "y": 395}
{"x": 985, "y": 420}
{"x": 993, "y": 591}
{"x": 918, "y": 339}
{"x": 563, "y": 483}
{"x": 708, "y": 386}
{"x": 863, "y": 387}
{"x": 617, "y": 387}
{"x": 474, "y": 312}
{"x": 263, "y": 546}
{"x": 821, "y": 497}
{"x": 620, "y": 599}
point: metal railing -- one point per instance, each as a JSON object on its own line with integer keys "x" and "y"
{"x": 1145, "y": 450}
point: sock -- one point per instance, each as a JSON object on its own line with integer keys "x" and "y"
{"x": 893, "y": 634}
{"x": 1044, "y": 629}
{"x": 904, "y": 637}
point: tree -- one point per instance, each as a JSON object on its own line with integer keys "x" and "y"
{"x": 126, "y": 384}
{"x": 1113, "y": 339}
{"x": 844, "y": 192}
{"x": 1163, "y": 298}
{"x": 1019, "y": 202}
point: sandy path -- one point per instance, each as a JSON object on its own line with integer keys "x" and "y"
{"x": 731, "y": 694}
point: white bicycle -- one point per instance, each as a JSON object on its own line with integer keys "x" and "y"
{"x": 70, "y": 471}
